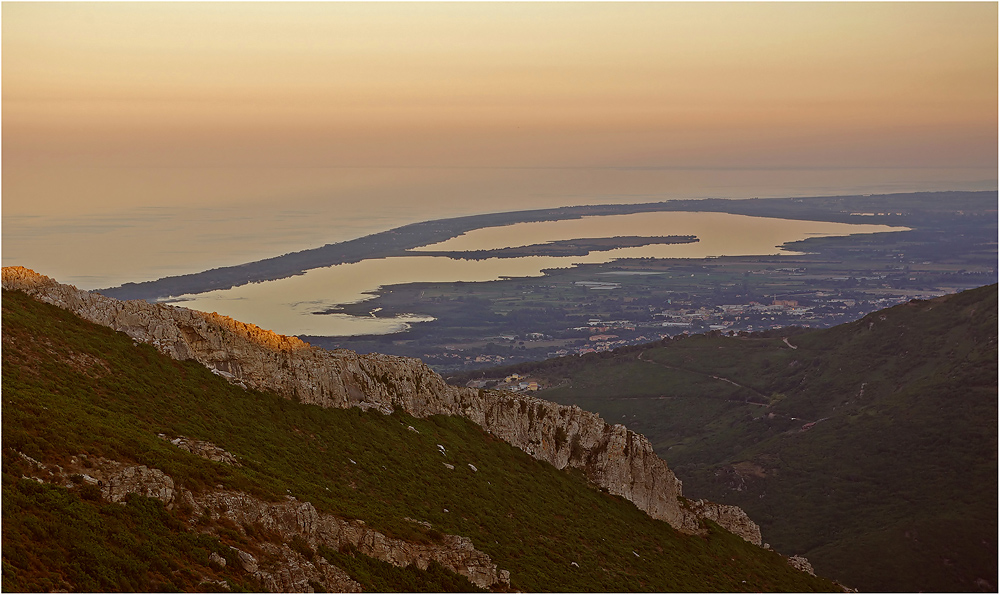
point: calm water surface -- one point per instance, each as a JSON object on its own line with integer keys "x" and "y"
{"x": 194, "y": 219}
{"x": 290, "y": 306}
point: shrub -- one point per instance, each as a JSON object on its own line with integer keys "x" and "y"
{"x": 90, "y": 492}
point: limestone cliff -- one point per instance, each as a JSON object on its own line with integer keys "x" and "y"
{"x": 613, "y": 457}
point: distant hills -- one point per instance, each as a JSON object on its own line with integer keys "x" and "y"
{"x": 128, "y": 470}
{"x": 871, "y": 447}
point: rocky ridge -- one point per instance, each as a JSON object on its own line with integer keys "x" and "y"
{"x": 271, "y": 526}
{"x": 613, "y": 457}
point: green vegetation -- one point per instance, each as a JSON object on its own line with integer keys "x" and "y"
{"x": 71, "y": 388}
{"x": 871, "y": 441}
{"x": 376, "y": 576}
{"x": 55, "y": 538}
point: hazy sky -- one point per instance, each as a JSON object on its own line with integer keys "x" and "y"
{"x": 481, "y": 106}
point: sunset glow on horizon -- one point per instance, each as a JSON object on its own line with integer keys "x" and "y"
{"x": 462, "y": 107}
{"x": 487, "y": 85}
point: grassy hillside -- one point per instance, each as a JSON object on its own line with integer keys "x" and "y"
{"x": 71, "y": 388}
{"x": 870, "y": 447}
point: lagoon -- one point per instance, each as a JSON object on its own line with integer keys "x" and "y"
{"x": 301, "y": 305}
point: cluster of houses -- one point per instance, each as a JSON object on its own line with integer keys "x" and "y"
{"x": 514, "y": 383}
{"x": 726, "y": 315}
{"x": 822, "y": 310}
{"x": 758, "y": 316}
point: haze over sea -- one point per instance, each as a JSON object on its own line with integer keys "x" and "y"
{"x": 108, "y": 247}
{"x": 149, "y": 139}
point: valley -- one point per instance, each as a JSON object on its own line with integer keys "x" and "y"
{"x": 872, "y": 440}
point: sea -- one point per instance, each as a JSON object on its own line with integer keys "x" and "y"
{"x": 94, "y": 246}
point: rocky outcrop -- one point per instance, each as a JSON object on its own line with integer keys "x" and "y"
{"x": 203, "y": 449}
{"x": 291, "y": 572}
{"x": 141, "y": 480}
{"x": 733, "y": 518}
{"x": 613, "y": 457}
{"x": 292, "y": 519}
{"x": 279, "y": 568}
{"x": 116, "y": 480}
{"x": 801, "y": 563}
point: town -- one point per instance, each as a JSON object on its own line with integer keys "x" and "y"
{"x": 599, "y": 335}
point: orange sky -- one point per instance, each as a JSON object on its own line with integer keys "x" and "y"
{"x": 146, "y": 139}
{"x": 127, "y": 86}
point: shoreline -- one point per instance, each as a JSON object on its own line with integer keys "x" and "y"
{"x": 892, "y": 209}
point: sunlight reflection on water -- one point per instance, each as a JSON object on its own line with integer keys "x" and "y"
{"x": 292, "y": 306}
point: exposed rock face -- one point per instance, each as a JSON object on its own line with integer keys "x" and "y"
{"x": 613, "y": 457}
{"x": 115, "y": 479}
{"x": 141, "y": 480}
{"x": 281, "y": 569}
{"x": 203, "y": 449}
{"x": 801, "y": 563}
{"x": 293, "y": 573}
{"x": 292, "y": 518}
{"x": 731, "y": 517}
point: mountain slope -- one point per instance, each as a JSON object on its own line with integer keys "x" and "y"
{"x": 205, "y": 466}
{"x": 612, "y": 457}
{"x": 873, "y": 440}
